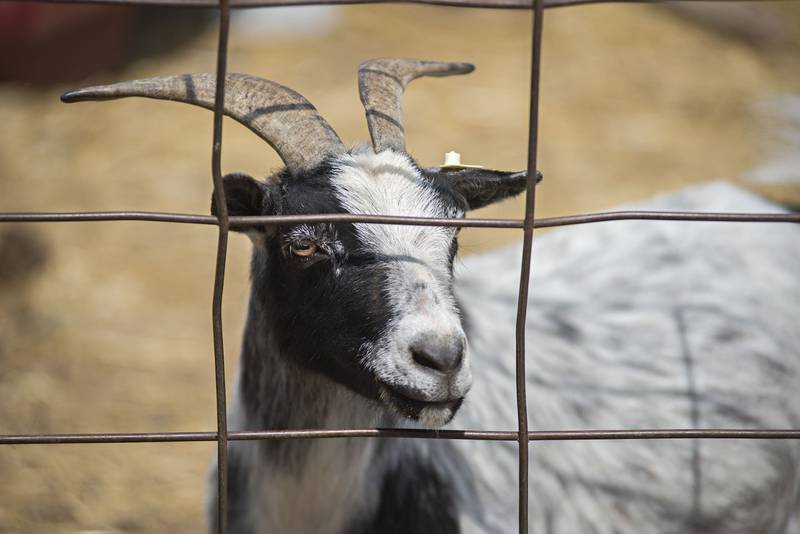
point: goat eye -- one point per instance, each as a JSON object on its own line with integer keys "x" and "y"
{"x": 303, "y": 249}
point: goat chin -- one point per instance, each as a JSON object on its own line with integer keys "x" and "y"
{"x": 429, "y": 414}
{"x": 436, "y": 417}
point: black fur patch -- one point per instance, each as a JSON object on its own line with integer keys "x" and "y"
{"x": 414, "y": 498}
{"x": 323, "y": 312}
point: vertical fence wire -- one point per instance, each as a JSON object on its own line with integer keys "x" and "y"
{"x": 525, "y": 269}
{"x": 219, "y": 275}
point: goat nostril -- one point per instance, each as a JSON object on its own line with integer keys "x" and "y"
{"x": 459, "y": 358}
{"x": 425, "y": 360}
{"x": 444, "y": 359}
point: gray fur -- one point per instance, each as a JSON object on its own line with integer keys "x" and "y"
{"x": 669, "y": 325}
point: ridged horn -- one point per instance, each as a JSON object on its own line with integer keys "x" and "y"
{"x": 381, "y": 83}
{"x": 280, "y": 116}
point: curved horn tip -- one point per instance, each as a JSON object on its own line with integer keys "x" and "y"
{"x": 429, "y": 67}
{"x": 462, "y": 68}
{"x": 81, "y": 95}
{"x": 71, "y": 96}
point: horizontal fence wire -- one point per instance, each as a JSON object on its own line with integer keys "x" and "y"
{"x": 544, "y": 222}
{"x": 476, "y": 435}
{"x": 224, "y": 223}
{"x": 491, "y": 4}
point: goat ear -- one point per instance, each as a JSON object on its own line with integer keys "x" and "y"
{"x": 481, "y": 187}
{"x": 246, "y": 196}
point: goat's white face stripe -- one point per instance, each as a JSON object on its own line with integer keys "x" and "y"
{"x": 389, "y": 184}
{"x": 418, "y": 288}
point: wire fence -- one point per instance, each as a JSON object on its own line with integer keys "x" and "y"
{"x": 528, "y": 224}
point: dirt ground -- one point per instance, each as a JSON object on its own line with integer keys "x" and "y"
{"x": 107, "y": 328}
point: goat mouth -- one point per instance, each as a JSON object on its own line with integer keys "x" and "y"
{"x": 430, "y": 413}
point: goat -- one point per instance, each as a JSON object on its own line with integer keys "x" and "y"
{"x": 631, "y": 325}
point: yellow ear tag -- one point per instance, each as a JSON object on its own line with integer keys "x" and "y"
{"x": 452, "y": 162}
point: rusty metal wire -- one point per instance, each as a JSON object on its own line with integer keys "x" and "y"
{"x": 219, "y": 274}
{"x": 494, "y": 4}
{"x": 525, "y": 268}
{"x": 483, "y": 435}
{"x": 545, "y": 222}
{"x": 522, "y": 435}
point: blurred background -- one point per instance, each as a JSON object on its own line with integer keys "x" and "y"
{"x": 105, "y": 327}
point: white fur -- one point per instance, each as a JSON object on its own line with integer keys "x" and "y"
{"x": 388, "y": 183}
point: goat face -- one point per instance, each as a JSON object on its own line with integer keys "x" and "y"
{"x": 370, "y": 306}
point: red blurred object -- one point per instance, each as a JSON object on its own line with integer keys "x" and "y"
{"x": 46, "y": 43}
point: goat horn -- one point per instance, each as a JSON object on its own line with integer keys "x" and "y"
{"x": 381, "y": 83}
{"x": 280, "y": 116}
